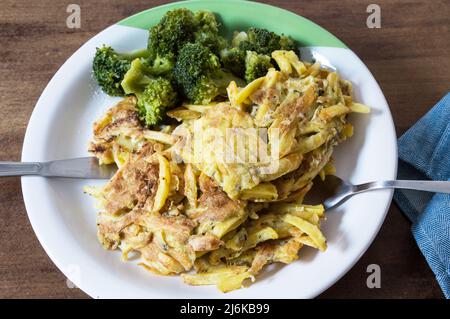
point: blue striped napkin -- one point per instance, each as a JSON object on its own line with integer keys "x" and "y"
{"x": 424, "y": 153}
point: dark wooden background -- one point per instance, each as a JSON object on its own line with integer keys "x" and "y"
{"x": 408, "y": 55}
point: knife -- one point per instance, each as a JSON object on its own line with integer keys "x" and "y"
{"x": 82, "y": 167}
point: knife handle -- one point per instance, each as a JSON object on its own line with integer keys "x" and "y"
{"x": 19, "y": 168}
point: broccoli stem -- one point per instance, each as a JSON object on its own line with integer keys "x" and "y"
{"x": 137, "y": 78}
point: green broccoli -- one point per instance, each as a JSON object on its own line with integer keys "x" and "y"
{"x": 175, "y": 29}
{"x": 288, "y": 44}
{"x": 158, "y": 96}
{"x": 155, "y": 94}
{"x": 109, "y": 68}
{"x": 161, "y": 65}
{"x": 256, "y": 65}
{"x": 263, "y": 41}
{"x": 233, "y": 59}
{"x": 199, "y": 75}
{"x": 207, "y": 31}
{"x": 238, "y": 37}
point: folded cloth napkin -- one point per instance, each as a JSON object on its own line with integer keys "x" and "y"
{"x": 424, "y": 152}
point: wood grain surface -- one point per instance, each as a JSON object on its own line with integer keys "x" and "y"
{"x": 408, "y": 55}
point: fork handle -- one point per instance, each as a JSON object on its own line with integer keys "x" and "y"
{"x": 427, "y": 186}
{"x": 19, "y": 168}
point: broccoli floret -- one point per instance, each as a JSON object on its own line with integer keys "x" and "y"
{"x": 245, "y": 64}
{"x": 174, "y": 30}
{"x": 158, "y": 96}
{"x": 256, "y": 65}
{"x": 207, "y": 31}
{"x": 288, "y": 44}
{"x": 137, "y": 78}
{"x": 238, "y": 37}
{"x": 109, "y": 68}
{"x": 263, "y": 41}
{"x": 199, "y": 75}
{"x": 260, "y": 43}
{"x": 233, "y": 59}
{"x": 161, "y": 65}
{"x": 155, "y": 94}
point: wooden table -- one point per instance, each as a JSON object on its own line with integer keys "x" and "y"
{"x": 408, "y": 55}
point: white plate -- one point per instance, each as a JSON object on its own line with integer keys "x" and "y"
{"x": 63, "y": 218}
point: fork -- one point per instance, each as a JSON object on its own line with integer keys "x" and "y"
{"x": 334, "y": 191}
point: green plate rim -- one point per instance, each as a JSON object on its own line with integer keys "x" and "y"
{"x": 311, "y": 35}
